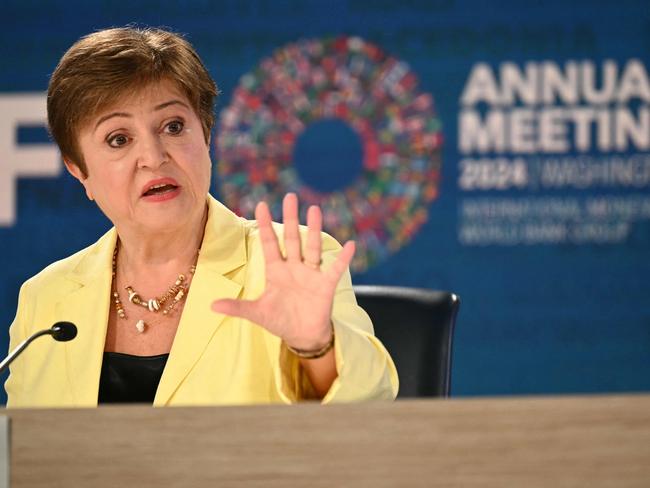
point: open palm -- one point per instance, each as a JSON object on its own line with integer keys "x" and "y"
{"x": 296, "y": 304}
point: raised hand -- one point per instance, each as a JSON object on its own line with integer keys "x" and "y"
{"x": 296, "y": 304}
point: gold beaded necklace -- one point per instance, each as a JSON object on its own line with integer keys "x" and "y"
{"x": 175, "y": 294}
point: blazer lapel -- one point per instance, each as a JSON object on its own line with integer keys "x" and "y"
{"x": 88, "y": 307}
{"x": 223, "y": 250}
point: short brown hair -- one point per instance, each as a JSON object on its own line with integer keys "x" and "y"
{"x": 102, "y": 67}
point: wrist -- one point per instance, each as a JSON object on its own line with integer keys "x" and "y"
{"x": 315, "y": 352}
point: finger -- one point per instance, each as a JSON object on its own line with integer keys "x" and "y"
{"x": 235, "y": 308}
{"x": 314, "y": 226}
{"x": 342, "y": 262}
{"x": 290, "y": 221}
{"x": 270, "y": 246}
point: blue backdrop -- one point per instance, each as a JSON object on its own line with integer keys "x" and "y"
{"x": 500, "y": 150}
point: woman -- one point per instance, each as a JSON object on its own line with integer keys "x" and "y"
{"x": 182, "y": 302}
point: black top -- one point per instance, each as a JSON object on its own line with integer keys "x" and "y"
{"x": 130, "y": 379}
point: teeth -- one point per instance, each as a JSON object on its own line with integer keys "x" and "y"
{"x": 157, "y": 186}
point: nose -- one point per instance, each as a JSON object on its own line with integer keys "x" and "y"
{"x": 152, "y": 153}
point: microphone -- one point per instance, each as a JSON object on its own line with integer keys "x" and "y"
{"x": 61, "y": 331}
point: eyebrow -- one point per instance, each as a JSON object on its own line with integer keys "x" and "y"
{"x": 126, "y": 114}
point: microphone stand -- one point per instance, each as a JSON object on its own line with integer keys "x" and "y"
{"x": 61, "y": 331}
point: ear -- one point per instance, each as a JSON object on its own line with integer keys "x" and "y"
{"x": 76, "y": 172}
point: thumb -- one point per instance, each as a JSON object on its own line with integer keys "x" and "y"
{"x": 235, "y": 308}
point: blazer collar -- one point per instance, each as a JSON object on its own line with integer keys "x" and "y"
{"x": 224, "y": 245}
{"x": 223, "y": 250}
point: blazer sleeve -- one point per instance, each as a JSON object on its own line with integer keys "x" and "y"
{"x": 364, "y": 366}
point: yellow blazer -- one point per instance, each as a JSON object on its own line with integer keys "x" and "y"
{"x": 215, "y": 359}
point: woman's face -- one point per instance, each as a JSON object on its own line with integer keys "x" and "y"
{"x": 148, "y": 162}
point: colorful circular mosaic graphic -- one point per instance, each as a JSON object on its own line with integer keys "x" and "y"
{"x": 349, "y": 79}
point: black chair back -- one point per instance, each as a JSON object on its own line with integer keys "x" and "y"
{"x": 417, "y": 328}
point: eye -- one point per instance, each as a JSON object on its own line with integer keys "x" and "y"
{"x": 117, "y": 140}
{"x": 175, "y": 127}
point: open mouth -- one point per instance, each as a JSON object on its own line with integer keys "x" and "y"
{"x": 159, "y": 189}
